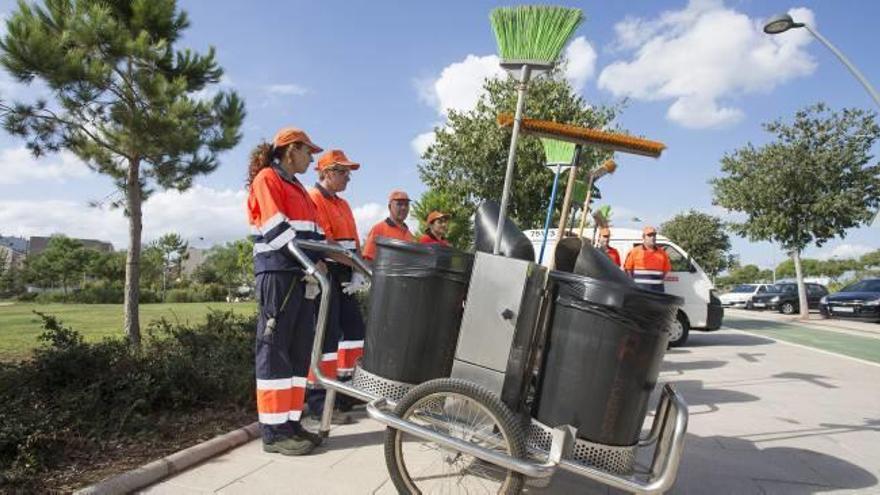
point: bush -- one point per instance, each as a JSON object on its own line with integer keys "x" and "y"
{"x": 197, "y": 293}
{"x": 74, "y": 393}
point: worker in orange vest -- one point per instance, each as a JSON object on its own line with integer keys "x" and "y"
{"x": 344, "y": 338}
{"x": 438, "y": 225}
{"x": 604, "y": 239}
{"x": 279, "y": 210}
{"x": 393, "y": 226}
{"x": 647, "y": 263}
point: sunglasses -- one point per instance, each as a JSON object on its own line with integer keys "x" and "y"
{"x": 652, "y": 234}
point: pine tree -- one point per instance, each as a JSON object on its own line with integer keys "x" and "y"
{"x": 122, "y": 98}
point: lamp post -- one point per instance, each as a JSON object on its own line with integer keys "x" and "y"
{"x": 783, "y": 22}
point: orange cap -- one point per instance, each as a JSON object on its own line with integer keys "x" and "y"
{"x": 436, "y": 215}
{"x": 397, "y": 196}
{"x": 290, "y": 135}
{"x": 335, "y": 157}
{"x": 649, "y": 230}
{"x": 605, "y": 231}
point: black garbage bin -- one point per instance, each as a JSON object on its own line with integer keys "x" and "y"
{"x": 416, "y": 305}
{"x": 605, "y": 344}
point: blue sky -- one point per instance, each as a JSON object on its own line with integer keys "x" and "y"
{"x": 373, "y": 79}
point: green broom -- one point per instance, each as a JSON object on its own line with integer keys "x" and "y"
{"x": 530, "y": 38}
{"x": 559, "y": 154}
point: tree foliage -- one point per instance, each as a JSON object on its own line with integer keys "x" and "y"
{"x": 229, "y": 265}
{"x": 122, "y": 98}
{"x": 703, "y": 237}
{"x": 467, "y": 161}
{"x": 460, "y": 232}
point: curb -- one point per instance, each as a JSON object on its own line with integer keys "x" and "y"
{"x": 148, "y": 474}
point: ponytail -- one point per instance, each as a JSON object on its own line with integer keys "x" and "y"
{"x": 264, "y": 155}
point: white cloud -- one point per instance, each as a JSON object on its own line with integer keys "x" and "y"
{"x": 702, "y": 54}
{"x": 421, "y": 142}
{"x": 460, "y": 84}
{"x": 844, "y": 251}
{"x": 581, "y": 66}
{"x": 286, "y": 89}
{"x": 201, "y": 212}
{"x": 18, "y": 165}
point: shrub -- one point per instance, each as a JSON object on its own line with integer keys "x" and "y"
{"x": 73, "y": 393}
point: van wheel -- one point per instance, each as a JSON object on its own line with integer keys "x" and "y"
{"x": 679, "y": 331}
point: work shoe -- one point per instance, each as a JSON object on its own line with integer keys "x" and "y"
{"x": 337, "y": 418}
{"x": 295, "y": 445}
{"x": 315, "y": 438}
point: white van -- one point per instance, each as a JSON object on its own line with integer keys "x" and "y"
{"x": 702, "y": 309}
{"x": 741, "y": 295}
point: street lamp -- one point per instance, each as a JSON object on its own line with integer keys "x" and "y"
{"x": 783, "y": 22}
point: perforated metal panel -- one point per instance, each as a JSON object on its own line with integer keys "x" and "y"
{"x": 378, "y": 386}
{"x": 609, "y": 458}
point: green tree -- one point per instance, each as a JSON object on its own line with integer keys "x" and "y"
{"x": 173, "y": 249}
{"x": 467, "y": 161}
{"x": 703, "y": 237}
{"x": 223, "y": 265}
{"x": 460, "y": 231}
{"x": 807, "y": 186}
{"x": 123, "y": 99}
{"x": 61, "y": 264}
{"x": 108, "y": 267}
{"x": 747, "y": 274}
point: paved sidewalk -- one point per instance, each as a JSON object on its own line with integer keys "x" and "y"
{"x": 766, "y": 418}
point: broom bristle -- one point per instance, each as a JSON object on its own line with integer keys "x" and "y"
{"x": 534, "y": 32}
{"x": 557, "y": 152}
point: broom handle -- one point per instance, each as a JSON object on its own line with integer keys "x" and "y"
{"x": 586, "y": 209}
{"x": 511, "y": 156}
{"x": 550, "y": 211}
{"x": 566, "y": 202}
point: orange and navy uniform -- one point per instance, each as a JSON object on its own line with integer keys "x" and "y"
{"x": 279, "y": 210}
{"x": 429, "y": 238}
{"x": 345, "y": 325}
{"x": 613, "y": 254}
{"x": 385, "y": 228}
{"x": 648, "y": 267}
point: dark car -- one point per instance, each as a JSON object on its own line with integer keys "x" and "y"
{"x": 858, "y": 300}
{"x": 784, "y": 297}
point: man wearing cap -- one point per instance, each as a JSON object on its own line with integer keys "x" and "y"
{"x": 647, "y": 263}
{"x": 604, "y": 239}
{"x": 393, "y": 226}
{"x": 438, "y": 225}
{"x": 344, "y": 340}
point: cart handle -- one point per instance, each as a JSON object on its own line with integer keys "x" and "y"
{"x": 325, "y": 247}
{"x": 562, "y": 441}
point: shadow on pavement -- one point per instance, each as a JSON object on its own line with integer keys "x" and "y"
{"x": 696, "y": 395}
{"x": 818, "y": 380}
{"x": 719, "y": 464}
{"x": 680, "y": 368}
{"x": 725, "y": 339}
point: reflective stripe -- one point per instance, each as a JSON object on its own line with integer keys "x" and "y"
{"x": 295, "y": 415}
{"x": 647, "y": 281}
{"x": 351, "y": 344}
{"x": 276, "y": 384}
{"x": 274, "y": 221}
{"x": 275, "y": 418}
{"x": 305, "y": 225}
{"x": 350, "y": 245}
{"x": 278, "y": 242}
{"x": 299, "y": 381}
{"x": 648, "y": 273}
{"x": 330, "y": 356}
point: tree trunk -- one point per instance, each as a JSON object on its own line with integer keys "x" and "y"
{"x": 133, "y": 259}
{"x": 802, "y": 288}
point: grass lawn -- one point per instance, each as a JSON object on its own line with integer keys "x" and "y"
{"x": 19, "y": 326}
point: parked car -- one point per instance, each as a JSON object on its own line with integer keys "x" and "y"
{"x": 741, "y": 295}
{"x": 784, "y": 297}
{"x": 858, "y": 300}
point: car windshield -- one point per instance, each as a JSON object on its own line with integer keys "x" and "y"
{"x": 745, "y": 288}
{"x": 863, "y": 286}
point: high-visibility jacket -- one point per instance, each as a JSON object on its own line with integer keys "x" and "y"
{"x": 385, "y": 228}
{"x": 647, "y": 266}
{"x": 428, "y": 238}
{"x": 613, "y": 254}
{"x": 335, "y": 218}
{"x": 279, "y": 209}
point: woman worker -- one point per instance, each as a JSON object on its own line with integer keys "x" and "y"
{"x": 438, "y": 226}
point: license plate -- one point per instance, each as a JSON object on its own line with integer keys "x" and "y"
{"x": 843, "y": 310}
{"x": 759, "y": 305}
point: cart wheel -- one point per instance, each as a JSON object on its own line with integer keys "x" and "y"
{"x": 463, "y": 410}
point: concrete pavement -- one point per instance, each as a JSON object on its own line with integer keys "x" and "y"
{"x": 765, "y": 417}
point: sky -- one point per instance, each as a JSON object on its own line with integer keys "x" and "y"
{"x": 375, "y": 79}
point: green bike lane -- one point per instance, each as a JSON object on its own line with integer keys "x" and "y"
{"x": 828, "y": 339}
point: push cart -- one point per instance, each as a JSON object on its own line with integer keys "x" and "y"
{"x": 493, "y": 382}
